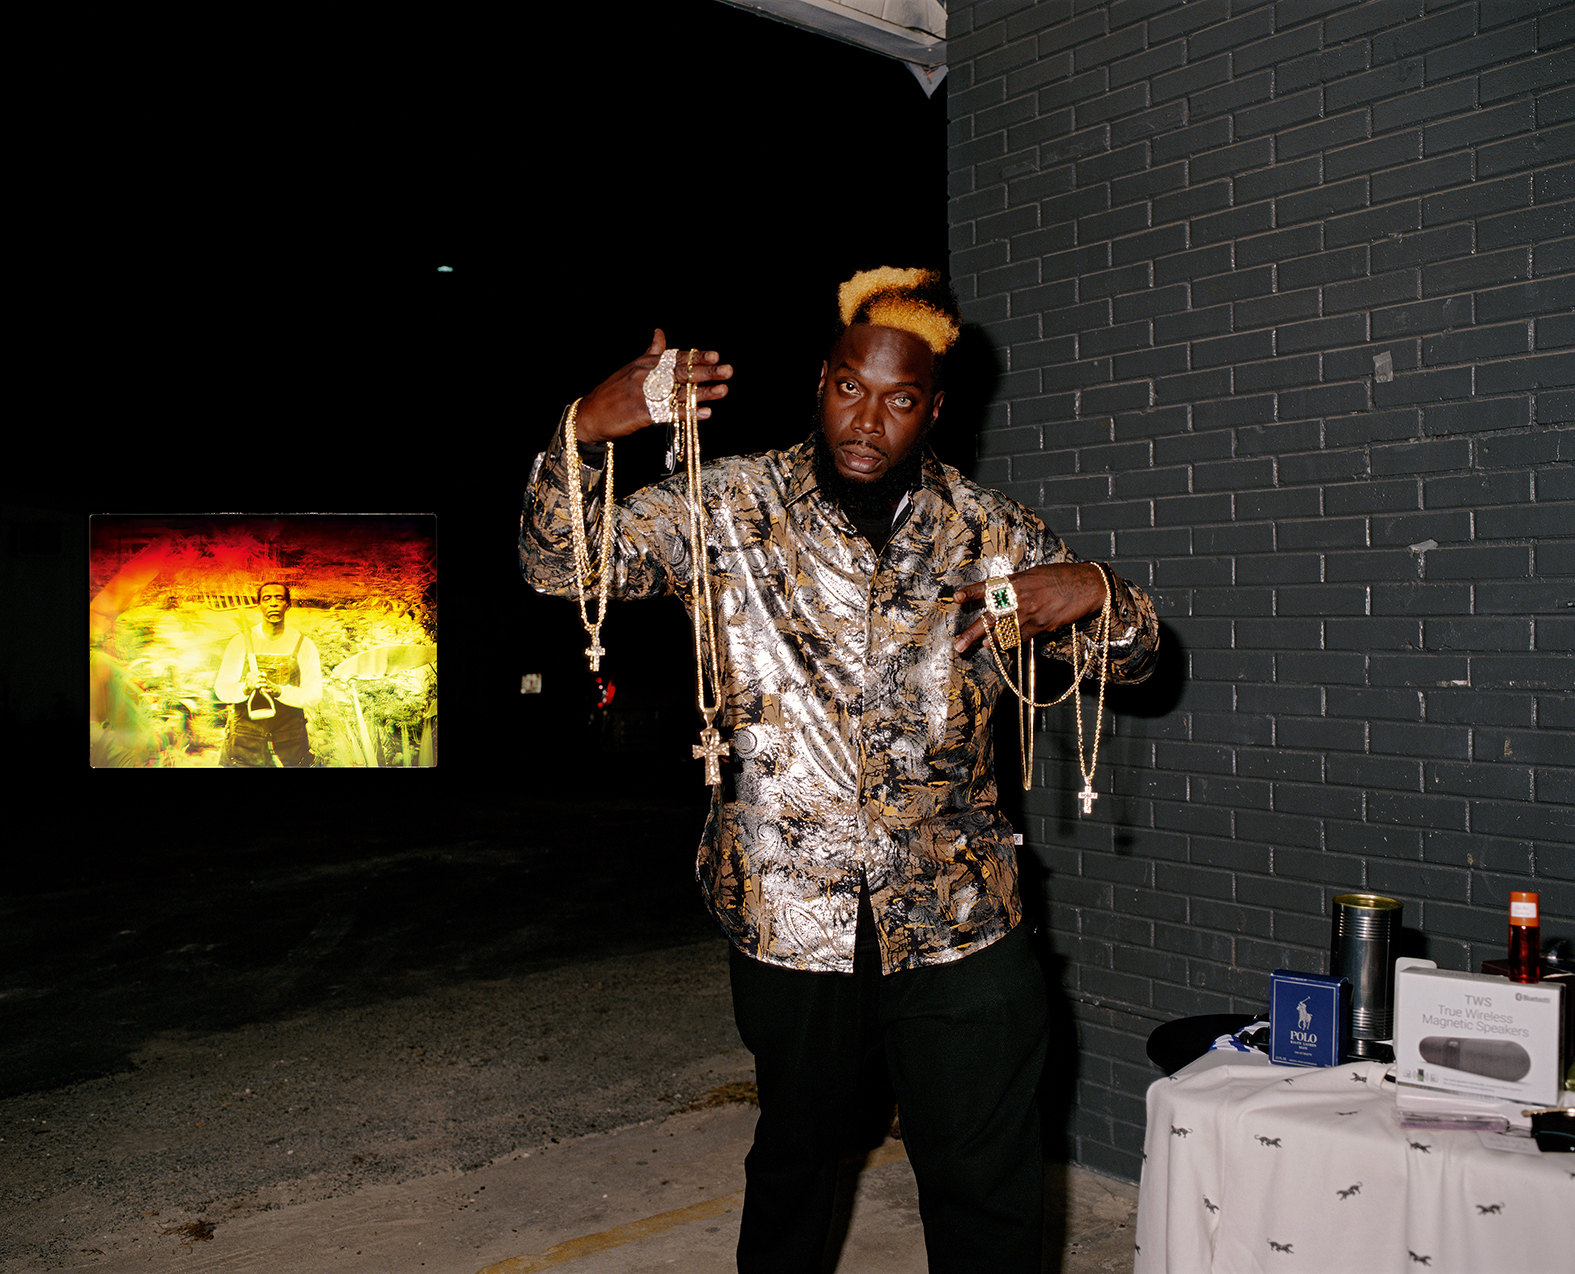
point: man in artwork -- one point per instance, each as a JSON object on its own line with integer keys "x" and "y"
{"x": 269, "y": 675}
{"x": 855, "y": 855}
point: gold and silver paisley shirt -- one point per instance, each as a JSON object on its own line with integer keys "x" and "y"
{"x": 861, "y": 739}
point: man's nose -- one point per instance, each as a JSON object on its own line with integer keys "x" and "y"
{"x": 868, "y": 419}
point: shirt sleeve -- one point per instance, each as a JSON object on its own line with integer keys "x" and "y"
{"x": 227, "y": 687}
{"x": 1134, "y": 635}
{"x": 650, "y": 553}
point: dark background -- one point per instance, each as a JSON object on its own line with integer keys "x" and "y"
{"x": 257, "y": 323}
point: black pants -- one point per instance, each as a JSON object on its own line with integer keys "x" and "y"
{"x": 964, "y": 1045}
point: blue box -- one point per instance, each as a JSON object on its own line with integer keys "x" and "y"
{"x": 1308, "y": 1013}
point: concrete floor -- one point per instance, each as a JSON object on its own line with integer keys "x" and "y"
{"x": 445, "y": 1049}
{"x": 662, "y": 1195}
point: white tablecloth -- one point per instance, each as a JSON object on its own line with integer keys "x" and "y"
{"x": 1249, "y": 1166}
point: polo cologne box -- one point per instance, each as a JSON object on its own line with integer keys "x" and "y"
{"x": 1308, "y": 1013}
{"x": 1474, "y": 1035}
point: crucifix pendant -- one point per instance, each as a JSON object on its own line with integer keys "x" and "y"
{"x": 713, "y": 750}
{"x": 1088, "y": 796}
{"x": 594, "y": 653}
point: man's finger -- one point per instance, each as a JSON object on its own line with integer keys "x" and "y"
{"x": 657, "y": 345}
{"x": 970, "y": 635}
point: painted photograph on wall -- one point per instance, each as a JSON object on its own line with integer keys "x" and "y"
{"x": 241, "y": 641}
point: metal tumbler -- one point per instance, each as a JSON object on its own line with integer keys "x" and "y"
{"x": 1365, "y": 942}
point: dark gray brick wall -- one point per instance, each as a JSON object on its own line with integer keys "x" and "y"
{"x": 1282, "y": 296}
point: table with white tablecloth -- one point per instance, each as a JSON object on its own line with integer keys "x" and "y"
{"x": 1249, "y": 1166}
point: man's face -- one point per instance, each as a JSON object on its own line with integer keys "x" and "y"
{"x": 878, "y": 398}
{"x": 272, "y": 604}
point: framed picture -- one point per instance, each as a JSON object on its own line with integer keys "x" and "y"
{"x": 263, "y": 641}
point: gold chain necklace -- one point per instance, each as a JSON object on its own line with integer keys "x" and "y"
{"x": 582, "y": 556}
{"x": 1023, "y": 688}
{"x": 707, "y": 658}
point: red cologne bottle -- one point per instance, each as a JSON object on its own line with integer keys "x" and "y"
{"x": 1525, "y": 937}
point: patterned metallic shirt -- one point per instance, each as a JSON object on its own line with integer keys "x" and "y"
{"x": 861, "y": 739}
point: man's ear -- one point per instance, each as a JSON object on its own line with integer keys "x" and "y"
{"x": 821, "y": 388}
{"x": 935, "y": 411}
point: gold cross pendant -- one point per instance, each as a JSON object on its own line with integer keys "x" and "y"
{"x": 1088, "y": 796}
{"x": 594, "y": 653}
{"x": 713, "y": 750}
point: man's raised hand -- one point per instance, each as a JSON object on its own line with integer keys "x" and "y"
{"x": 1048, "y": 597}
{"x": 616, "y": 408}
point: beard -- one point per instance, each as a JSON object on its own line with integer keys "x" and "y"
{"x": 872, "y": 499}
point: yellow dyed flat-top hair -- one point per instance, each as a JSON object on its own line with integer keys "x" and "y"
{"x": 885, "y": 297}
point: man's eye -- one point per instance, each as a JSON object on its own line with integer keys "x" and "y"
{"x": 902, "y": 400}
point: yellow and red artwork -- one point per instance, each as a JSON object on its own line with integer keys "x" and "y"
{"x": 169, "y": 596}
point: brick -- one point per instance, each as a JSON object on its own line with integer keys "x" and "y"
{"x": 1421, "y": 35}
{"x": 1251, "y": 219}
{"x": 1537, "y": 372}
{"x": 1321, "y": 202}
{"x": 1235, "y": 286}
{"x": 1110, "y": 106}
{"x": 1478, "y": 561}
{"x": 1276, "y": 179}
{"x": 1243, "y": 410}
{"x": 1240, "y": 96}
{"x": 1523, "y": 819}
{"x": 1174, "y": 22}
{"x": 1500, "y": 782}
{"x": 1375, "y": 226}
{"x": 1477, "y": 490}
{"x": 1232, "y": 349}
{"x": 1529, "y": 225}
{"x": 1137, "y": 187}
{"x": 1403, "y": 422}
{"x": 1556, "y": 182}
{"x": 1150, "y": 303}
{"x": 1424, "y": 105}
{"x": 1148, "y": 64}
{"x": 1193, "y": 264}
{"x": 1377, "y": 289}
{"x": 1150, "y": 362}
{"x": 1324, "y": 267}
{"x": 1475, "y": 200}
{"x": 1479, "y": 126}
{"x": 1488, "y": 49}
{"x": 1360, "y": 362}
{"x": 1424, "y": 387}
{"x": 1150, "y": 245}
{"x": 1434, "y": 314}
{"x": 1523, "y": 521}
{"x": 1192, "y": 201}
{"x": 1482, "y": 270}
{"x": 1279, "y": 48}
{"x": 1446, "y": 813}
{"x": 1421, "y": 248}
{"x": 1423, "y": 178}
{"x": 1555, "y": 107}
{"x": 1531, "y": 150}
{"x": 1278, "y": 439}
{"x": 1280, "y": 307}
{"x": 1324, "y": 400}
{"x": 1162, "y": 119}
{"x": 1364, "y": 19}
{"x": 1336, "y": 130}
{"x": 1277, "y": 373}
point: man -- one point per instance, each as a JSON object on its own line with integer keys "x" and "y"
{"x": 854, "y": 854}
{"x": 270, "y": 672}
